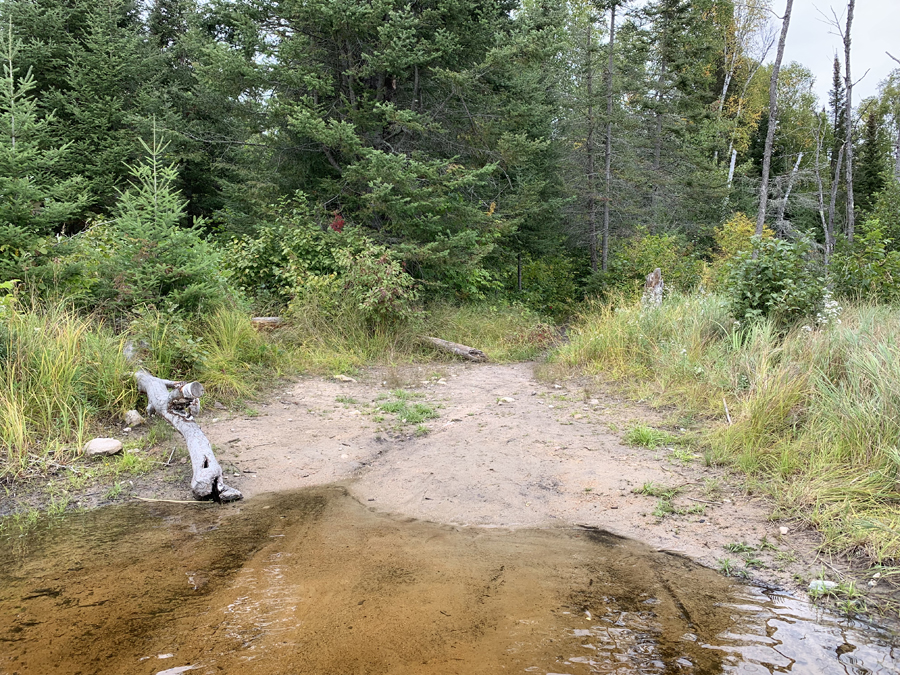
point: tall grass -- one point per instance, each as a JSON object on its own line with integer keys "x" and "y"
{"x": 815, "y": 411}
{"x": 58, "y": 372}
{"x": 339, "y": 338}
{"x": 63, "y": 375}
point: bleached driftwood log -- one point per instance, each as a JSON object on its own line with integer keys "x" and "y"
{"x": 266, "y": 321}
{"x": 460, "y": 350}
{"x": 177, "y": 403}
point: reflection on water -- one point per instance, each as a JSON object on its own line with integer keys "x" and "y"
{"x": 312, "y": 582}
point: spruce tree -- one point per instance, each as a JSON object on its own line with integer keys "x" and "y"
{"x": 872, "y": 165}
{"x": 34, "y": 199}
{"x": 837, "y": 100}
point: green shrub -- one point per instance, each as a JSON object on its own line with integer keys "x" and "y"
{"x": 869, "y": 268}
{"x": 144, "y": 256}
{"x": 775, "y": 279}
{"x": 638, "y": 256}
{"x": 548, "y": 285}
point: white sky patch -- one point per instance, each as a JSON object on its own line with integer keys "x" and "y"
{"x": 812, "y": 42}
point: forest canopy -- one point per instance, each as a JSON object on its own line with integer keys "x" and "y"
{"x": 175, "y": 152}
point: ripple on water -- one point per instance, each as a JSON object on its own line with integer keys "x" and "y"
{"x": 313, "y": 582}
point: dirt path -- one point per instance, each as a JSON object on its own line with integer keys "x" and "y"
{"x": 505, "y": 450}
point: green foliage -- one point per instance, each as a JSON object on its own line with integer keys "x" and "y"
{"x": 144, "y": 256}
{"x": 886, "y": 211}
{"x": 269, "y": 265}
{"x": 868, "y": 269}
{"x": 34, "y": 199}
{"x": 648, "y": 437}
{"x": 58, "y": 372}
{"x": 775, "y": 279}
{"x": 732, "y": 237}
{"x": 295, "y": 261}
{"x": 549, "y": 285}
{"x": 407, "y": 411}
{"x": 376, "y": 283}
{"x": 637, "y": 257}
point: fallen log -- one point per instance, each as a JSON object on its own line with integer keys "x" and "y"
{"x": 177, "y": 403}
{"x": 266, "y": 321}
{"x": 460, "y": 350}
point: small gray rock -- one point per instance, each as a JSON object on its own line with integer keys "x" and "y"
{"x": 133, "y": 419}
{"x": 219, "y": 405}
{"x": 821, "y": 586}
{"x": 102, "y": 446}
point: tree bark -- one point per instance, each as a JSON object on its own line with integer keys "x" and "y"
{"x": 773, "y": 112}
{"x": 779, "y": 220}
{"x": 589, "y": 148}
{"x": 829, "y": 236}
{"x": 834, "y": 187}
{"x": 176, "y": 402}
{"x": 848, "y": 124}
{"x": 608, "y": 151}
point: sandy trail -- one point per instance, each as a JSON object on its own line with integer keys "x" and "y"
{"x": 548, "y": 457}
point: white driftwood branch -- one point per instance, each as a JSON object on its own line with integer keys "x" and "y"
{"x": 177, "y": 403}
{"x": 266, "y": 321}
{"x": 460, "y": 350}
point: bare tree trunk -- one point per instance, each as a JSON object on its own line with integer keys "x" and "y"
{"x": 829, "y": 237}
{"x": 608, "y": 152}
{"x": 779, "y": 220}
{"x": 773, "y": 112}
{"x": 176, "y": 403}
{"x": 589, "y": 148}
{"x": 834, "y": 187}
{"x": 848, "y": 123}
{"x": 731, "y": 167}
{"x": 897, "y": 154}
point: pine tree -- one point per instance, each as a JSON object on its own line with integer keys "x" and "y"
{"x": 34, "y": 199}
{"x": 837, "y": 101}
{"x": 872, "y": 165}
{"x": 156, "y": 261}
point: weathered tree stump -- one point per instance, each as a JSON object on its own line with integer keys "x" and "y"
{"x": 177, "y": 403}
{"x": 469, "y": 353}
{"x": 653, "y": 289}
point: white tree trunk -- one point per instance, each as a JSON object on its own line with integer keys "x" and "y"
{"x": 773, "y": 120}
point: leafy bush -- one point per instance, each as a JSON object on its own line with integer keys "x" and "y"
{"x": 267, "y": 266}
{"x": 869, "y": 268}
{"x": 732, "y": 237}
{"x": 639, "y": 256}
{"x": 548, "y": 285}
{"x": 886, "y": 211}
{"x": 295, "y": 259}
{"x": 775, "y": 279}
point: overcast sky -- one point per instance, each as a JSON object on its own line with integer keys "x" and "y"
{"x": 876, "y": 29}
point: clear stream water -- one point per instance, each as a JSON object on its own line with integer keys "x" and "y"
{"x": 314, "y": 582}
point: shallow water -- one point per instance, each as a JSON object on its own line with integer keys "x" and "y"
{"x": 313, "y": 582}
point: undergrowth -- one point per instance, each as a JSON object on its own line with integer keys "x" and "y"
{"x": 64, "y": 376}
{"x": 814, "y": 410}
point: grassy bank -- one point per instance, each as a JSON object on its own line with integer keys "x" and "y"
{"x": 64, "y": 379}
{"x": 815, "y": 411}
